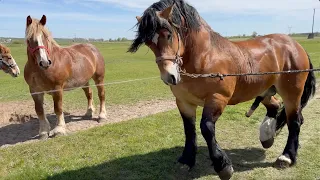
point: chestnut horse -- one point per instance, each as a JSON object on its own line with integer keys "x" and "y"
{"x": 7, "y": 63}
{"x": 52, "y": 69}
{"x": 182, "y": 41}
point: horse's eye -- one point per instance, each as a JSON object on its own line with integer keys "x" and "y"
{"x": 169, "y": 36}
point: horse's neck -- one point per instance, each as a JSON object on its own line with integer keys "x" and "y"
{"x": 54, "y": 47}
{"x": 206, "y": 41}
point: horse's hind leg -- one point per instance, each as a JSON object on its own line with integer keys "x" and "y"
{"x": 44, "y": 128}
{"x": 99, "y": 80}
{"x": 291, "y": 90}
{"x": 254, "y": 105}
{"x": 88, "y": 91}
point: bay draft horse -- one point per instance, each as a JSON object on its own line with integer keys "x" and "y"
{"x": 7, "y": 62}
{"x": 52, "y": 68}
{"x": 180, "y": 38}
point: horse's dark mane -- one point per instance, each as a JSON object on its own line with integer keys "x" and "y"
{"x": 150, "y": 22}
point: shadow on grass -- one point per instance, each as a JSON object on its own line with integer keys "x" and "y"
{"x": 162, "y": 165}
{"x": 24, "y": 131}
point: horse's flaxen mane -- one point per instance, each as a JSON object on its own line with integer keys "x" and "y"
{"x": 4, "y": 50}
{"x": 35, "y": 28}
{"x": 150, "y": 21}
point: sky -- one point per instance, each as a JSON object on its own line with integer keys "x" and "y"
{"x": 116, "y": 18}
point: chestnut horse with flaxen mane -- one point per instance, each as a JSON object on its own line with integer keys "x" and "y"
{"x": 180, "y": 38}
{"x": 51, "y": 69}
{"x": 7, "y": 63}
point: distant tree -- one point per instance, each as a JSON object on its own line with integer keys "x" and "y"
{"x": 110, "y": 40}
{"x": 244, "y": 35}
{"x": 254, "y": 34}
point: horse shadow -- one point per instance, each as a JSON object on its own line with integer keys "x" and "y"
{"x": 18, "y": 132}
{"x": 163, "y": 165}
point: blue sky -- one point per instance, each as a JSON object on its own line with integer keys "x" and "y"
{"x": 115, "y": 18}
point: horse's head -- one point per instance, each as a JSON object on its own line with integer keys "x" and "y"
{"x": 37, "y": 41}
{"x": 7, "y": 63}
{"x": 163, "y": 28}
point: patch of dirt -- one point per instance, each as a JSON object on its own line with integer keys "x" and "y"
{"x": 19, "y": 123}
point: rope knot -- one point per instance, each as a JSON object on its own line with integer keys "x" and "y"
{"x": 221, "y": 76}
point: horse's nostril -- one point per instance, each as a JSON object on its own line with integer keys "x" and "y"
{"x": 173, "y": 79}
{"x": 49, "y": 61}
{"x": 40, "y": 63}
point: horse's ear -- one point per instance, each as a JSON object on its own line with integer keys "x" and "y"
{"x": 167, "y": 13}
{"x": 138, "y": 19}
{"x": 29, "y": 20}
{"x": 43, "y": 20}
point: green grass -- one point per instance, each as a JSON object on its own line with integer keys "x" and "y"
{"x": 147, "y": 148}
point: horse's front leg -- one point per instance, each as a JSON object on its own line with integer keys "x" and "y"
{"x": 60, "y": 128}
{"x": 44, "y": 128}
{"x": 212, "y": 110}
{"x": 188, "y": 114}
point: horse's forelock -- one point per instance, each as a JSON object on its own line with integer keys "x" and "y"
{"x": 150, "y": 21}
{"x": 4, "y": 50}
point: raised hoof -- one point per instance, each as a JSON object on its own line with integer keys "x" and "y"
{"x": 226, "y": 173}
{"x": 43, "y": 136}
{"x": 268, "y": 143}
{"x": 58, "y": 131}
{"x": 282, "y": 162}
{"x": 188, "y": 162}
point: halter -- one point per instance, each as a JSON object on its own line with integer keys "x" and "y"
{"x": 11, "y": 66}
{"x": 33, "y": 50}
{"x": 176, "y": 58}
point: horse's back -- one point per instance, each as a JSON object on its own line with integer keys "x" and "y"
{"x": 87, "y": 62}
{"x": 279, "y": 48}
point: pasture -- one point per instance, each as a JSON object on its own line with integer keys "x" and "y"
{"x": 147, "y": 148}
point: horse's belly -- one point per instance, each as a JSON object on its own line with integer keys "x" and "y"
{"x": 75, "y": 83}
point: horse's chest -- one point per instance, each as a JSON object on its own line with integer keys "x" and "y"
{"x": 185, "y": 94}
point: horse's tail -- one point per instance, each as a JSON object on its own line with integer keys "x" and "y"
{"x": 308, "y": 92}
{"x": 309, "y": 87}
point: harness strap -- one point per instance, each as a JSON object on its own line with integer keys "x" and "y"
{"x": 33, "y": 50}
{"x": 177, "y": 58}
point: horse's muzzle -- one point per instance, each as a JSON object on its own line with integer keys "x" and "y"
{"x": 172, "y": 79}
{"x": 45, "y": 64}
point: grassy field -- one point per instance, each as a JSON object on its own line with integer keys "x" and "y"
{"x": 148, "y": 148}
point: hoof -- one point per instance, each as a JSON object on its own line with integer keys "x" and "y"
{"x": 59, "y": 131}
{"x": 282, "y": 162}
{"x": 268, "y": 143}
{"x": 185, "y": 167}
{"x": 89, "y": 113}
{"x": 187, "y": 161}
{"x": 226, "y": 173}
{"x": 43, "y": 136}
{"x": 102, "y": 118}
{"x": 249, "y": 113}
